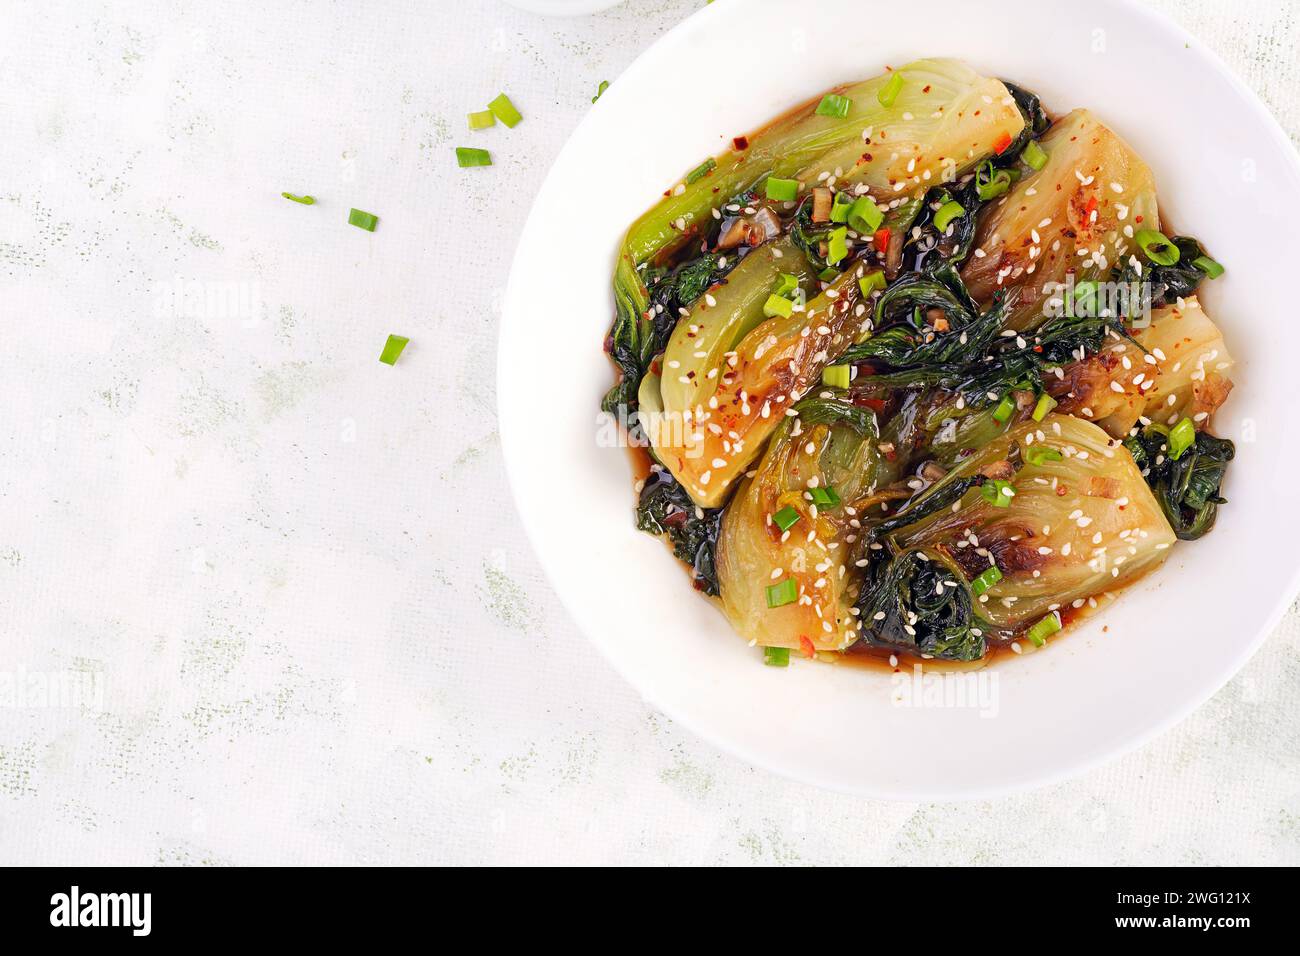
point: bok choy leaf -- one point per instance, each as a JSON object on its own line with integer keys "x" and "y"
{"x": 1175, "y": 368}
{"x": 830, "y": 444}
{"x": 744, "y": 397}
{"x": 1187, "y": 487}
{"x": 939, "y": 124}
{"x": 1073, "y": 216}
{"x": 1081, "y": 520}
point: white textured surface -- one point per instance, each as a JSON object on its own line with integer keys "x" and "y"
{"x": 295, "y": 572}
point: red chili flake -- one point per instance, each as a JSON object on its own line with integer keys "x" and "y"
{"x": 1089, "y": 209}
{"x": 926, "y": 88}
{"x": 806, "y": 646}
{"x": 875, "y": 404}
{"x": 675, "y": 520}
{"x": 881, "y": 238}
{"x": 1137, "y": 219}
{"x": 741, "y": 142}
{"x": 1003, "y": 142}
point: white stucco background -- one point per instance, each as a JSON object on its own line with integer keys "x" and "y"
{"x": 296, "y": 574}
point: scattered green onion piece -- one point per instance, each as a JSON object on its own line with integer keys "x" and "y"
{"x": 482, "y": 119}
{"x": 824, "y": 496}
{"x": 1157, "y": 247}
{"x": 873, "y": 280}
{"x": 1208, "y": 266}
{"x": 392, "y": 349}
{"x": 786, "y": 285}
{"x": 1034, "y": 155}
{"x": 600, "y": 90}
{"x": 828, "y": 274}
{"x": 837, "y": 246}
{"x": 1181, "y": 437}
{"x": 998, "y": 493}
{"x": 1040, "y": 632}
{"x": 991, "y": 183}
{"x": 1006, "y": 408}
{"x": 1083, "y": 300}
{"x": 1045, "y": 404}
{"x": 700, "y": 171}
{"x": 505, "y": 111}
{"x": 833, "y": 104}
{"x": 1041, "y": 454}
{"x": 782, "y": 190}
{"x": 836, "y": 376}
{"x": 841, "y": 207}
{"x": 989, "y": 577}
{"x": 949, "y": 211}
{"x": 786, "y": 518}
{"x": 777, "y": 305}
{"x": 865, "y": 216}
{"x": 779, "y": 595}
{"x": 889, "y": 92}
{"x": 465, "y": 156}
{"x": 776, "y": 656}
{"x": 311, "y": 201}
{"x": 362, "y": 220}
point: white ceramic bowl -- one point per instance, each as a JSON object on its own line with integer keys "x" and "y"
{"x": 1226, "y": 173}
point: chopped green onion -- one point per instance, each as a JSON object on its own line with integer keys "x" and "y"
{"x": 782, "y": 190}
{"x": 991, "y": 183}
{"x": 482, "y": 119}
{"x": 998, "y": 493}
{"x": 1034, "y": 155}
{"x": 873, "y": 280}
{"x": 833, "y": 104}
{"x": 1040, "y": 632}
{"x": 824, "y": 496}
{"x": 779, "y": 595}
{"x": 786, "y": 518}
{"x": 836, "y": 376}
{"x": 1002, "y": 414}
{"x": 505, "y": 111}
{"x": 837, "y": 246}
{"x": 307, "y": 200}
{"x": 949, "y": 211}
{"x": 465, "y": 156}
{"x": 1181, "y": 437}
{"x": 777, "y": 305}
{"x": 600, "y": 90}
{"x": 1045, "y": 404}
{"x": 1157, "y": 247}
{"x": 776, "y": 656}
{"x": 1041, "y": 454}
{"x": 829, "y": 274}
{"x": 700, "y": 171}
{"x": 889, "y": 92}
{"x": 841, "y": 207}
{"x": 989, "y": 577}
{"x": 865, "y": 216}
{"x": 362, "y": 220}
{"x": 1208, "y": 266}
{"x": 1083, "y": 300}
{"x": 786, "y": 284}
{"x": 392, "y": 349}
